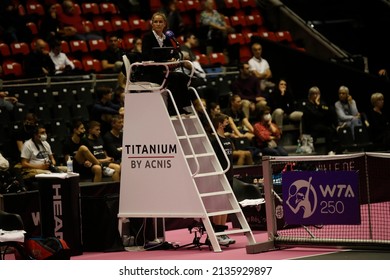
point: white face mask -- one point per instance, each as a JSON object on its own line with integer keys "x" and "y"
{"x": 267, "y": 117}
{"x": 43, "y": 137}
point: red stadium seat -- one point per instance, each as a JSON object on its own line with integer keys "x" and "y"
{"x": 284, "y": 36}
{"x": 255, "y": 20}
{"x": 21, "y": 48}
{"x": 32, "y": 27}
{"x": 35, "y": 9}
{"x": 5, "y": 51}
{"x": 217, "y": 59}
{"x": 245, "y": 53}
{"x": 108, "y": 8}
{"x": 65, "y": 47}
{"x": 89, "y": 24}
{"x": 12, "y": 69}
{"x": 97, "y": 45}
{"x": 78, "y": 46}
{"x": 237, "y": 21}
{"x": 193, "y": 5}
{"x": 102, "y": 24}
{"x": 248, "y": 3}
{"x": 77, "y": 63}
{"x": 137, "y": 23}
{"x": 90, "y": 8}
{"x": 232, "y": 4}
{"x": 236, "y": 38}
{"x": 248, "y": 35}
{"x": 128, "y": 41}
{"x": 203, "y": 59}
{"x": 269, "y": 35}
{"x": 119, "y": 24}
{"x": 91, "y": 64}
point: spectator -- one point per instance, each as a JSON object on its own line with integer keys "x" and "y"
{"x": 214, "y": 109}
{"x": 84, "y": 162}
{"x": 346, "y": 110}
{"x": 95, "y": 144}
{"x": 175, "y": 22}
{"x": 379, "y": 122}
{"x": 62, "y": 63}
{"x": 12, "y": 25}
{"x": 318, "y": 120}
{"x": 248, "y": 88}
{"x": 37, "y": 157}
{"x": 267, "y": 134}
{"x": 260, "y": 67}
{"x": 112, "y": 57}
{"x": 26, "y": 132}
{"x": 103, "y": 109}
{"x": 217, "y": 28}
{"x": 239, "y": 125}
{"x": 282, "y": 103}
{"x": 6, "y": 101}
{"x": 220, "y": 122}
{"x": 38, "y": 62}
{"x": 71, "y": 24}
{"x": 177, "y": 82}
{"x": 113, "y": 139}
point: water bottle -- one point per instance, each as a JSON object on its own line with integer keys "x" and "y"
{"x": 299, "y": 147}
{"x": 69, "y": 165}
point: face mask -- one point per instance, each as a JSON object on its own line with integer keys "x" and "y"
{"x": 267, "y": 117}
{"x": 43, "y": 137}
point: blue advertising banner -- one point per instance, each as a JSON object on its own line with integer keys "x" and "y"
{"x": 321, "y": 197}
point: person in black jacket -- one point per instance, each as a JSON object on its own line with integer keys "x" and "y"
{"x": 38, "y": 63}
{"x": 177, "y": 82}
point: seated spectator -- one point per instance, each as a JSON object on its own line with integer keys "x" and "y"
{"x": 214, "y": 109}
{"x": 217, "y": 29}
{"x": 112, "y": 57}
{"x": 346, "y": 110}
{"x": 113, "y": 139}
{"x": 63, "y": 65}
{"x": 248, "y": 88}
{"x": 7, "y": 102}
{"x": 223, "y": 154}
{"x": 239, "y": 125}
{"x": 37, "y": 157}
{"x": 71, "y": 24}
{"x": 95, "y": 144}
{"x": 103, "y": 109}
{"x": 260, "y": 67}
{"x": 267, "y": 134}
{"x": 84, "y": 162}
{"x": 319, "y": 120}
{"x": 379, "y": 122}
{"x": 26, "y": 131}
{"x": 282, "y": 103}
{"x": 38, "y": 62}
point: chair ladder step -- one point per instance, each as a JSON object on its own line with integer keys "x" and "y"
{"x": 215, "y": 193}
{"x": 233, "y": 231}
{"x": 225, "y": 212}
{"x": 209, "y": 174}
{"x": 200, "y": 155}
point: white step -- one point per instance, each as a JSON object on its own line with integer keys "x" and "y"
{"x": 215, "y": 193}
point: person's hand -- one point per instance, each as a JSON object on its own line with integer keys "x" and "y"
{"x": 87, "y": 164}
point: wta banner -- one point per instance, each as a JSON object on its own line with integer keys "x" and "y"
{"x": 321, "y": 197}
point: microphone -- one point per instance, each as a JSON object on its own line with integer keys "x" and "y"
{"x": 171, "y": 36}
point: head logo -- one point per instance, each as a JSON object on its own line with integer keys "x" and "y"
{"x": 302, "y": 198}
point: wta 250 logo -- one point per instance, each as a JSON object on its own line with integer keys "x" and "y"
{"x": 321, "y": 197}
{"x": 302, "y": 197}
